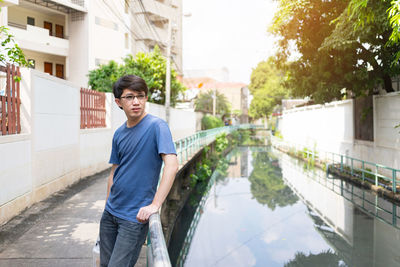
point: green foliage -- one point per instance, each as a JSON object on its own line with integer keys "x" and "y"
{"x": 267, "y": 186}
{"x": 149, "y": 66}
{"x": 103, "y": 78}
{"x": 221, "y": 142}
{"x": 324, "y": 258}
{"x": 10, "y": 52}
{"x": 326, "y": 56}
{"x": 397, "y": 126}
{"x": 266, "y": 88}
{"x": 364, "y": 15}
{"x": 204, "y": 102}
{"x": 203, "y": 172}
{"x": 222, "y": 167}
{"x": 210, "y": 122}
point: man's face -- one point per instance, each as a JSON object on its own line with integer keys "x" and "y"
{"x": 133, "y": 103}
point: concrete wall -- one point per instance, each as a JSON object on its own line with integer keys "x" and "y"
{"x": 330, "y": 127}
{"x": 52, "y": 152}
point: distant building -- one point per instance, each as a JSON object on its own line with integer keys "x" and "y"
{"x": 221, "y": 74}
{"x": 236, "y": 93}
{"x": 70, "y": 37}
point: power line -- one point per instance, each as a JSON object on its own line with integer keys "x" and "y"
{"x": 152, "y": 26}
{"x": 147, "y": 21}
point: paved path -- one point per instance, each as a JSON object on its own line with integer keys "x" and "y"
{"x": 59, "y": 231}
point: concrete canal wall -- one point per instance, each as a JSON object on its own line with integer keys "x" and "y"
{"x": 52, "y": 152}
{"x": 331, "y": 128}
{"x": 363, "y": 234}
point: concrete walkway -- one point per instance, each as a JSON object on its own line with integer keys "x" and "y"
{"x": 59, "y": 231}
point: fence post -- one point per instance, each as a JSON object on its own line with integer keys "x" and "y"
{"x": 180, "y": 151}
{"x": 18, "y": 103}
{"x": 352, "y": 172}
{"x": 186, "y": 152}
{"x": 363, "y": 173}
{"x": 341, "y": 163}
{"x": 394, "y": 181}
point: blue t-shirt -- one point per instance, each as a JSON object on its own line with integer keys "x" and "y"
{"x": 136, "y": 151}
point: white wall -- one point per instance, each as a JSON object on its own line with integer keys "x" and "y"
{"x": 333, "y": 208}
{"x": 330, "y": 127}
{"x": 52, "y": 151}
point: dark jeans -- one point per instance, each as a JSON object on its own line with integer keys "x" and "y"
{"x": 120, "y": 241}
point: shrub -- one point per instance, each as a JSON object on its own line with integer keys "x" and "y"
{"x": 210, "y": 122}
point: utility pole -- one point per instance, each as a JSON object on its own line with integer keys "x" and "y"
{"x": 168, "y": 74}
{"x": 214, "y": 101}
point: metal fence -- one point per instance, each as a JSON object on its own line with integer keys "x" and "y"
{"x": 93, "y": 109}
{"x": 374, "y": 173}
{"x": 10, "y": 101}
{"x": 379, "y": 207}
{"x": 157, "y": 253}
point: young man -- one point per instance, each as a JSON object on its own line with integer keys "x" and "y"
{"x": 139, "y": 147}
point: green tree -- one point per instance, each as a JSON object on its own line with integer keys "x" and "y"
{"x": 324, "y": 258}
{"x": 267, "y": 186}
{"x": 266, "y": 88}
{"x": 149, "y": 66}
{"x": 210, "y": 122}
{"x": 10, "y": 52}
{"x": 371, "y": 42}
{"x": 334, "y": 57}
{"x": 103, "y": 78}
{"x": 362, "y": 14}
{"x": 204, "y": 102}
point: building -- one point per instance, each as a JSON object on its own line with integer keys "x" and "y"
{"x": 236, "y": 93}
{"x": 219, "y": 74}
{"x": 70, "y": 37}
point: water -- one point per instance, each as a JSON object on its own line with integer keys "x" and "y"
{"x": 267, "y": 209}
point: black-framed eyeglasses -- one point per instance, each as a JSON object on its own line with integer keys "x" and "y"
{"x": 131, "y": 97}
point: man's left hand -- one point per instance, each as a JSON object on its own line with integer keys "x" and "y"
{"x": 145, "y": 212}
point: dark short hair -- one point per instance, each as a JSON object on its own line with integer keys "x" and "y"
{"x": 131, "y": 82}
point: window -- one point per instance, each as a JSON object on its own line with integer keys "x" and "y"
{"x": 48, "y": 68}
{"x": 59, "y": 31}
{"x": 49, "y": 26}
{"x": 60, "y": 71}
{"x": 30, "y": 21}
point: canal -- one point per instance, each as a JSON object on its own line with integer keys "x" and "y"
{"x": 264, "y": 208}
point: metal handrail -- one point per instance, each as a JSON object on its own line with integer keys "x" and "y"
{"x": 335, "y": 159}
{"x": 157, "y": 253}
{"x": 350, "y": 195}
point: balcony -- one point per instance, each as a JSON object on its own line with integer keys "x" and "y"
{"x": 5, "y": 3}
{"x": 38, "y": 39}
{"x": 156, "y": 11}
{"x": 65, "y": 6}
{"x": 156, "y": 36}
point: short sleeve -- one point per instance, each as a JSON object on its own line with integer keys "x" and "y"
{"x": 114, "y": 158}
{"x": 165, "y": 145}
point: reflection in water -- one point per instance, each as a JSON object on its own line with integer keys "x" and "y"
{"x": 325, "y": 258}
{"x": 267, "y": 186}
{"x": 250, "y": 216}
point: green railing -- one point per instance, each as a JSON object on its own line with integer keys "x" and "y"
{"x": 157, "y": 254}
{"x": 188, "y": 146}
{"x": 378, "y": 208}
{"x": 374, "y": 173}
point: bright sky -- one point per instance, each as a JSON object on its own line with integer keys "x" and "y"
{"x": 227, "y": 33}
